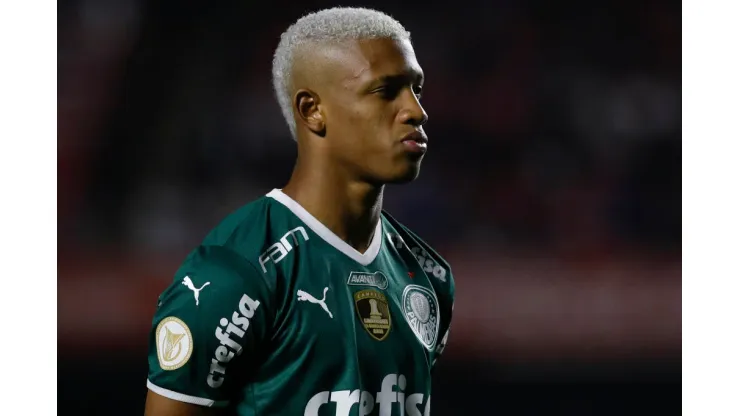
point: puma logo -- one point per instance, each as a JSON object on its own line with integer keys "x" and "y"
{"x": 307, "y": 296}
{"x": 196, "y": 292}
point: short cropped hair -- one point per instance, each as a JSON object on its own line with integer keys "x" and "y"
{"x": 323, "y": 27}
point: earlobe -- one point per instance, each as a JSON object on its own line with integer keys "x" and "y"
{"x": 308, "y": 108}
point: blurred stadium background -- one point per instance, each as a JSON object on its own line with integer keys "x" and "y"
{"x": 552, "y": 185}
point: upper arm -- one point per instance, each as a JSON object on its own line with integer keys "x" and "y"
{"x": 202, "y": 348}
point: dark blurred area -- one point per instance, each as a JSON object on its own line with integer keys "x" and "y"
{"x": 552, "y": 186}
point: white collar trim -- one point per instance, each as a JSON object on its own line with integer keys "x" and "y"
{"x": 327, "y": 235}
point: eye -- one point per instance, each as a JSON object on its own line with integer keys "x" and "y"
{"x": 391, "y": 91}
{"x": 387, "y": 91}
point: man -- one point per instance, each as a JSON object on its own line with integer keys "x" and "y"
{"x": 311, "y": 300}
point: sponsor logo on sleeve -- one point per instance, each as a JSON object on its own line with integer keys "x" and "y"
{"x": 229, "y": 333}
{"x": 188, "y": 282}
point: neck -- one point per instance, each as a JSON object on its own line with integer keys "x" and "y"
{"x": 349, "y": 207}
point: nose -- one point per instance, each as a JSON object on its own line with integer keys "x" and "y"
{"x": 412, "y": 112}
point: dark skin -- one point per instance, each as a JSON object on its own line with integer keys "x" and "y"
{"x": 354, "y": 103}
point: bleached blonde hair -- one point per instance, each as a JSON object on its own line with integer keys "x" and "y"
{"x": 322, "y": 28}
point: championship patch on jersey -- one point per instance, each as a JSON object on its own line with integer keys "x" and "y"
{"x": 372, "y": 308}
{"x": 174, "y": 343}
{"x": 421, "y": 310}
{"x": 377, "y": 279}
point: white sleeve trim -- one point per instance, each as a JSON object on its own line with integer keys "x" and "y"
{"x": 184, "y": 397}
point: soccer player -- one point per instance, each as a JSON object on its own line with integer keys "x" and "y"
{"x": 311, "y": 300}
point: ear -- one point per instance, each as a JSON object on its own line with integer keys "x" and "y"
{"x": 309, "y": 111}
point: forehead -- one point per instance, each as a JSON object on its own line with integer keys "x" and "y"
{"x": 366, "y": 60}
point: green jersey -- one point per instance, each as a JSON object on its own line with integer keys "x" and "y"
{"x": 273, "y": 314}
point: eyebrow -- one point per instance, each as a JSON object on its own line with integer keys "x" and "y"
{"x": 411, "y": 75}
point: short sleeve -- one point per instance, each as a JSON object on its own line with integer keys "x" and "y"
{"x": 209, "y": 327}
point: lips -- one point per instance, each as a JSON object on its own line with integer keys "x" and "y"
{"x": 415, "y": 143}
{"x": 416, "y": 136}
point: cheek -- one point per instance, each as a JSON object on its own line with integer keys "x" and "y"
{"x": 367, "y": 125}
{"x": 376, "y": 120}
{"x": 360, "y": 122}
{"x": 347, "y": 117}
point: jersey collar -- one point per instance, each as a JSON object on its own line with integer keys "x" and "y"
{"x": 327, "y": 235}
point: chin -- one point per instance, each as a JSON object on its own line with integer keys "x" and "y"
{"x": 406, "y": 175}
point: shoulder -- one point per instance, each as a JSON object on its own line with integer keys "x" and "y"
{"x": 256, "y": 233}
{"x": 244, "y": 230}
{"x": 228, "y": 258}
